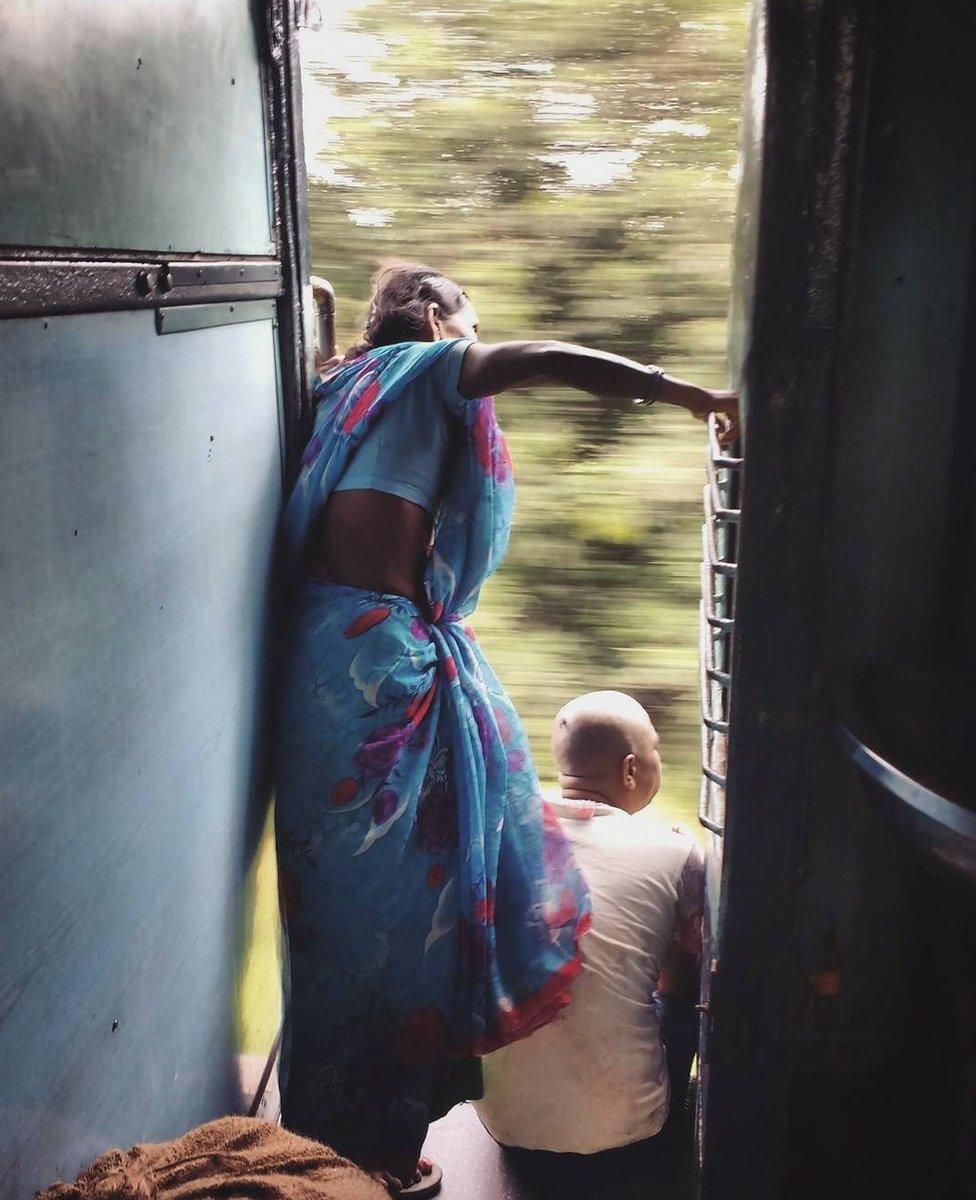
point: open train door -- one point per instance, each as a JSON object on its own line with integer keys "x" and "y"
{"x": 839, "y": 1047}
{"x": 153, "y": 356}
{"x": 766, "y": 528}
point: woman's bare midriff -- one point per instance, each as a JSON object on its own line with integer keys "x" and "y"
{"x": 372, "y": 540}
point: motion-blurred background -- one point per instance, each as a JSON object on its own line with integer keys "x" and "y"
{"x": 572, "y": 165}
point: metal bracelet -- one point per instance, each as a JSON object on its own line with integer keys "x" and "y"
{"x": 657, "y": 374}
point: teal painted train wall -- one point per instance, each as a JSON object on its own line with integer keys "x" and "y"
{"x": 140, "y": 482}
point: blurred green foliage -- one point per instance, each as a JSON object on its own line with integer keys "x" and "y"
{"x": 572, "y": 166}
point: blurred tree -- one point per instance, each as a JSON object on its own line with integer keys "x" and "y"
{"x": 572, "y": 165}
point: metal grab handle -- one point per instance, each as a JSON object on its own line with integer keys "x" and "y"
{"x": 710, "y": 725}
{"x": 710, "y": 551}
{"x": 703, "y": 818}
{"x": 946, "y": 813}
{"x": 708, "y": 671}
{"x": 717, "y": 777}
{"x": 724, "y": 624}
{"x": 324, "y": 298}
{"x": 713, "y": 501}
{"x": 715, "y": 452}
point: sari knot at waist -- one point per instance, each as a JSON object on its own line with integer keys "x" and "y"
{"x": 432, "y": 905}
{"x": 402, "y": 759}
{"x": 431, "y": 613}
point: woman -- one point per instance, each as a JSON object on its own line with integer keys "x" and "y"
{"x": 432, "y": 907}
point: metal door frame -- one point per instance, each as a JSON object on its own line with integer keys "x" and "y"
{"x": 818, "y": 65}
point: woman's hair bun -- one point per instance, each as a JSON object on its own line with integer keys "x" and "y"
{"x": 402, "y": 291}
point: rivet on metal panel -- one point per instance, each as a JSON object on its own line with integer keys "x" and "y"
{"x": 143, "y": 283}
{"x": 164, "y": 281}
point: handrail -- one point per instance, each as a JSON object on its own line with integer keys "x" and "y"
{"x": 713, "y": 501}
{"x": 706, "y": 671}
{"x": 715, "y": 453}
{"x": 710, "y": 551}
{"x": 708, "y": 599}
{"x": 715, "y": 511}
{"x": 703, "y": 815}
{"x": 324, "y": 298}
{"x": 715, "y": 628}
{"x": 944, "y": 812}
{"x": 272, "y": 1061}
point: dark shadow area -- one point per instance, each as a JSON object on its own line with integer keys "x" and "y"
{"x": 477, "y": 1168}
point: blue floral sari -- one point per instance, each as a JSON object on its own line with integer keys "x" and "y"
{"x": 432, "y": 906}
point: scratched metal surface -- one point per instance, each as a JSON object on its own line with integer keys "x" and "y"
{"x": 139, "y": 488}
{"x": 133, "y": 126}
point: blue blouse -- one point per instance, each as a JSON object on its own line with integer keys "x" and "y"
{"x": 406, "y": 451}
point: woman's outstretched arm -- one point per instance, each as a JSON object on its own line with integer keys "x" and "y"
{"x": 489, "y": 369}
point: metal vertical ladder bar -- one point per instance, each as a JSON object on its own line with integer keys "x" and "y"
{"x": 717, "y": 623}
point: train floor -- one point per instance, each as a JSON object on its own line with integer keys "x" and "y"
{"x": 477, "y": 1168}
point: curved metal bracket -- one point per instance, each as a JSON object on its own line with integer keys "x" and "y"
{"x": 902, "y": 787}
{"x": 942, "y": 829}
{"x": 324, "y": 298}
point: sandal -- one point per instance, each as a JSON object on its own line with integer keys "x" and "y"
{"x": 426, "y": 1185}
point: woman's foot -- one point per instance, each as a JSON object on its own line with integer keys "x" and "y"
{"x": 426, "y": 1181}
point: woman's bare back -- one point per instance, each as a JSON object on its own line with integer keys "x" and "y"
{"x": 372, "y": 540}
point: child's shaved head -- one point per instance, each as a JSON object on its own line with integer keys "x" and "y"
{"x": 605, "y": 746}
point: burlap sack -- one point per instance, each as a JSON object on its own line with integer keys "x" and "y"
{"x": 230, "y": 1158}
